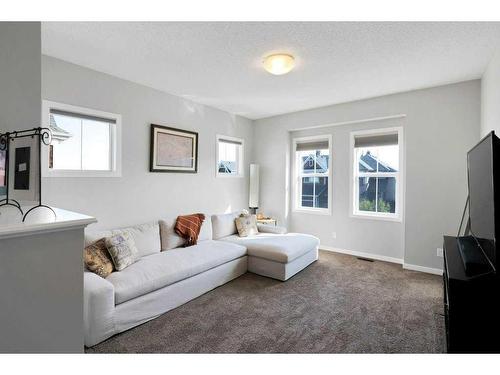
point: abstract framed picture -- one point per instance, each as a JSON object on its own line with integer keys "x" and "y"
{"x": 173, "y": 150}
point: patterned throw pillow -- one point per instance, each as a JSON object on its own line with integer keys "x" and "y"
{"x": 122, "y": 249}
{"x": 97, "y": 259}
{"x": 246, "y": 225}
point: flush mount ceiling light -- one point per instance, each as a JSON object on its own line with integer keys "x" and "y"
{"x": 279, "y": 64}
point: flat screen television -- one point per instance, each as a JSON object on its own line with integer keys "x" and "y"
{"x": 483, "y": 172}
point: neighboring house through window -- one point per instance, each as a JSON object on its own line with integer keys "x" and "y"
{"x": 376, "y": 184}
{"x": 312, "y": 174}
{"x": 229, "y": 156}
{"x": 85, "y": 142}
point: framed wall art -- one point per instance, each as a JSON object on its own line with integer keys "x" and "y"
{"x": 22, "y": 168}
{"x": 173, "y": 150}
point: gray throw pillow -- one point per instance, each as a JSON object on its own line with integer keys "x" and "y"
{"x": 169, "y": 239}
{"x": 122, "y": 249}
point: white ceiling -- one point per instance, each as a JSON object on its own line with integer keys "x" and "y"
{"x": 219, "y": 64}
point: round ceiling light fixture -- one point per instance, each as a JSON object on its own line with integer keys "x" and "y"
{"x": 279, "y": 63}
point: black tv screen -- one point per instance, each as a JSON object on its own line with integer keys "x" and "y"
{"x": 481, "y": 175}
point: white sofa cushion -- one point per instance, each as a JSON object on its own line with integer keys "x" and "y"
{"x": 266, "y": 228}
{"x": 159, "y": 270}
{"x": 223, "y": 225}
{"x": 206, "y": 229}
{"x": 169, "y": 239}
{"x": 92, "y": 236}
{"x": 282, "y": 248}
{"x": 146, "y": 237}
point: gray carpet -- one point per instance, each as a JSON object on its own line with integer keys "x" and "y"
{"x": 339, "y": 304}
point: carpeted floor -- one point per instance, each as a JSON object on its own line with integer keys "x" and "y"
{"x": 339, "y": 304}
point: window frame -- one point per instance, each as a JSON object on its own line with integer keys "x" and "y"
{"x": 399, "y": 175}
{"x": 115, "y": 143}
{"x": 297, "y": 176}
{"x": 240, "y": 157}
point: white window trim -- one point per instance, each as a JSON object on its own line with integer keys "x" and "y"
{"x": 241, "y": 160}
{"x": 400, "y": 175}
{"x": 296, "y": 187}
{"x": 116, "y": 142}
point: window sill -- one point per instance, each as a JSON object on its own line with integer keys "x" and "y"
{"x": 318, "y": 211}
{"x": 222, "y": 175}
{"x": 368, "y": 216}
{"x": 80, "y": 174}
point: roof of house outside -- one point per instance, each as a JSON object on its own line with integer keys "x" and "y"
{"x": 58, "y": 133}
{"x": 368, "y": 163}
{"x": 321, "y": 163}
{"x": 227, "y": 166}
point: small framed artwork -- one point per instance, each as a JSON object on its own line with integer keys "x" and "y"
{"x": 173, "y": 150}
{"x": 22, "y": 168}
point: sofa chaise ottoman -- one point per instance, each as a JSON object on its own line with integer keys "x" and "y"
{"x": 272, "y": 252}
{"x": 279, "y": 256}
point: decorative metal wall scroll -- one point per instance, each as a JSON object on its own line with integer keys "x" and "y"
{"x": 44, "y": 136}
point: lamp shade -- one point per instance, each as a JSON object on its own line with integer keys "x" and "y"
{"x": 279, "y": 64}
{"x": 253, "y": 195}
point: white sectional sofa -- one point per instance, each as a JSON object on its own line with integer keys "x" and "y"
{"x": 162, "y": 280}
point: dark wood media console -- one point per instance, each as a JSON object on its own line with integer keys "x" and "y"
{"x": 471, "y": 306}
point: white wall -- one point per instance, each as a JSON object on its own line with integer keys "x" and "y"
{"x": 20, "y": 75}
{"x": 490, "y": 97}
{"x": 441, "y": 124}
{"x": 42, "y": 306}
{"x": 140, "y": 196}
{"x": 20, "y": 87}
{"x": 43, "y": 310}
{"x": 369, "y": 236}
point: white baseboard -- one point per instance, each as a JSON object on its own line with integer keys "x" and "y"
{"x": 406, "y": 266}
{"x": 362, "y": 254}
{"x": 413, "y": 267}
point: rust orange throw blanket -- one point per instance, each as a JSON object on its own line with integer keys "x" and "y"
{"x": 188, "y": 227}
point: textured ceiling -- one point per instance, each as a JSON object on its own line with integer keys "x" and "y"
{"x": 219, "y": 64}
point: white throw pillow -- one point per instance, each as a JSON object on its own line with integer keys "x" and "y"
{"x": 122, "y": 249}
{"x": 169, "y": 239}
{"x": 246, "y": 225}
{"x": 146, "y": 237}
{"x": 223, "y": 225}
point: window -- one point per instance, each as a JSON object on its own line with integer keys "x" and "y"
{"x": 312, "y": 174}
{"x": 85, "y": 143}
{"x": 376, "y": 180}
{"x": 229, "y": 156}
